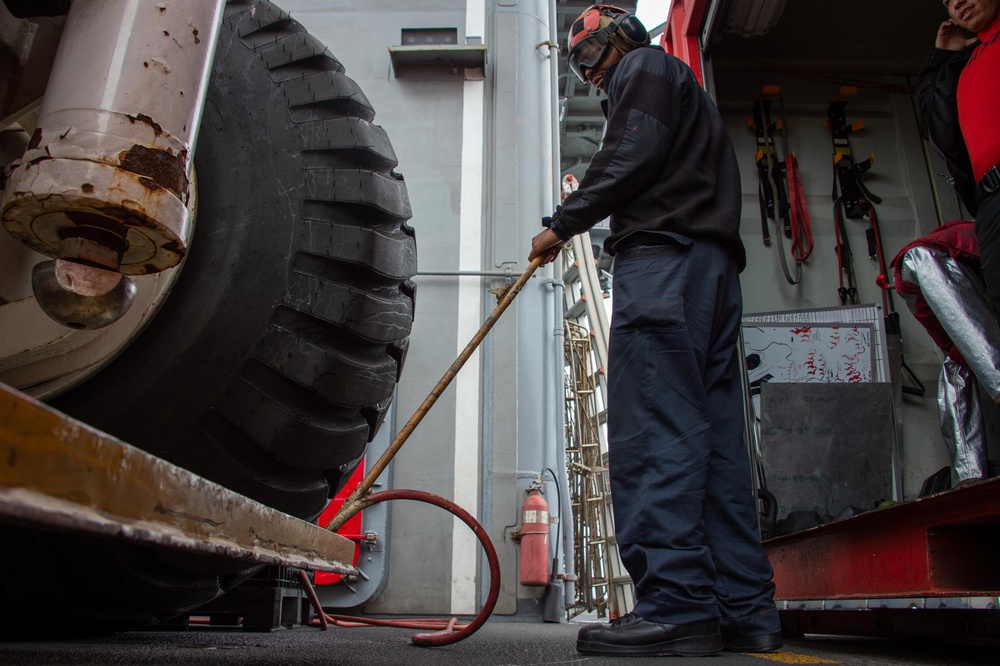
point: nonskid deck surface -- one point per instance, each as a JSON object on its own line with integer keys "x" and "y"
{"x": 499, "y": 642}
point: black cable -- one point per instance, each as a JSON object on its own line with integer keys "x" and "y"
{"x": 558, "y": 505}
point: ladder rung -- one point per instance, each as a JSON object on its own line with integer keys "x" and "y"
{"x": 591, "y": 505}
{"x": 576, "y": 310}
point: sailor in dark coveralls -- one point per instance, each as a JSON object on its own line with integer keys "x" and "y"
{"x": 685, "y": 517}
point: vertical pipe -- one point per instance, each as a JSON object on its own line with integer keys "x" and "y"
{"x": 557, "y": 389}
{"x": 523, "y": 192}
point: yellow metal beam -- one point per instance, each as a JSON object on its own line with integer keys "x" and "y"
{"x": 58, "y": 473}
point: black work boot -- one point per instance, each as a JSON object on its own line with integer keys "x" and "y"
{"x": 632, "y": 636}
{"x": 736, "y": 642}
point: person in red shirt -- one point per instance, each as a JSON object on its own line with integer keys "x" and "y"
{"x": 959, "y": 89}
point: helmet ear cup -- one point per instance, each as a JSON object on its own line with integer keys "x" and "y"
{"x": 633, "y": 31}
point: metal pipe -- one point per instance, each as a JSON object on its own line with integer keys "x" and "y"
{"x": 553, "y": 445}
{"x": 558, "y": 418}
{"x": 499, "y": 274}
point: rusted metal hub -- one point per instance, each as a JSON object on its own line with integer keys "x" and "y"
{"x": 129, "y": 216}
{"x": 101, "y": 218}
{"x": 104, "y": 180}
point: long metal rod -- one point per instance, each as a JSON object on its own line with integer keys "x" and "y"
{"x": 493, "y": 274}
{"x": 356, "y": 502}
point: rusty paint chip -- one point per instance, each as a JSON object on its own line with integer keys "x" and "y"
{"x": 143, "y": 118}
{"x": 149, "y": 183}
{"x": 158, "y": 168}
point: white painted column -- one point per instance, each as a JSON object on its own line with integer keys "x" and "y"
{"x": 468, "y": 391}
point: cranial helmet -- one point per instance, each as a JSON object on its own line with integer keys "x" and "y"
{"x": 596, "y": 30}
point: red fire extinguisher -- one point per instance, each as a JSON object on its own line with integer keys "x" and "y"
{"x": 534, "y": 539}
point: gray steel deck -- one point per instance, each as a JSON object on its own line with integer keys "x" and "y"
{"x": 498, "y": 643}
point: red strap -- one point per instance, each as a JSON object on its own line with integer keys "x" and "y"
{"x": 802, "y": 240}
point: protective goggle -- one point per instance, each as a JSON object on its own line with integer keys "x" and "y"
{"x": 589, "y": 53}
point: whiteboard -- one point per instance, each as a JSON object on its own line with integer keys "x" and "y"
{"x": 851, "y": 314}
{"x": 841, "y": 345}
{"x": 838, "y": 353}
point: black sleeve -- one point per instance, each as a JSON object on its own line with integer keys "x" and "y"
{"x": 937, "y": 116}
{"x": 635, "y": 145}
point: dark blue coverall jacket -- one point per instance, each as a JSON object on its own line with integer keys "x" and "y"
{"x": 685, "y": 518}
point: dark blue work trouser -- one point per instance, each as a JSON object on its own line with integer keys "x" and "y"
{"x": 685, "y": 518}
{"x": 988, "y": 235}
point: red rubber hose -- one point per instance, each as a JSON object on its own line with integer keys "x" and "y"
{"x": 450, "y": 631}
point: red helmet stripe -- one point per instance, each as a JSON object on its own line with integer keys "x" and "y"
{"x": 592, "y": 21}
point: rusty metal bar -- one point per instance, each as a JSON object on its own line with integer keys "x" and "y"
{"x": 57, "y": 473}
{"x": 356, "y": 502}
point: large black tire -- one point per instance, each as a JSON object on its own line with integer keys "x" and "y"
{"x": 274, "y": 359}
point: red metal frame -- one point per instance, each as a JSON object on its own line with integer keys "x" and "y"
{"x": 967, "y": 624}
{"x": 680, "y": 38}
{"x": 352, "y": 529}
{"x": 940, "y": 546}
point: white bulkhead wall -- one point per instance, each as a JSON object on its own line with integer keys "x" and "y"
{"x": 477, "y": 157}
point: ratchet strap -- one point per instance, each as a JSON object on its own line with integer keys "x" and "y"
{"x": 851, "y": 199}
{"x": 780, "y": 192}
{"x": 846, "y": 171}
{"x": 855, "y": 201}
{"x": 802, "y": 239}
{"x": 770, "y": 175}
